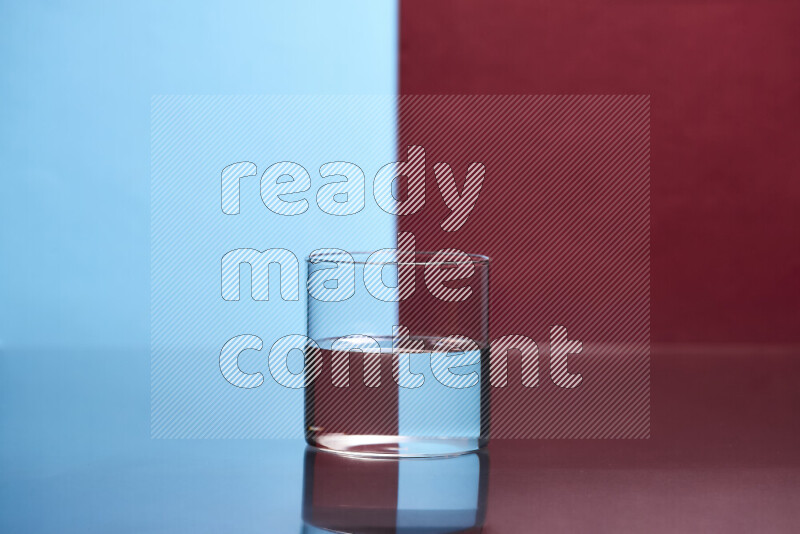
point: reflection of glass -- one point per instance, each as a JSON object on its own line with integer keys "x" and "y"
{"x": 402, "y": 356}
{"x": 343, "y": 493}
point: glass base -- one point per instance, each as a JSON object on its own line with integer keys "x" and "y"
{"x": 396, "y": 446}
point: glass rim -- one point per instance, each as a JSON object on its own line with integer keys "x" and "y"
{"x": 363, "y": 258}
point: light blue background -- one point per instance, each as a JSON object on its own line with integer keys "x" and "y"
{"x": 76, "y": 85}
{"x": 77, "y": 80}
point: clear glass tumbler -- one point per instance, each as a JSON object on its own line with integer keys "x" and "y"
{"x": 399, "y": 357}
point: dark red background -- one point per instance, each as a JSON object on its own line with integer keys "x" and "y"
{"x": 724, "y": 80}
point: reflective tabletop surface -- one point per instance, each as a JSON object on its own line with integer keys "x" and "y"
{"x": 77, "y": 456}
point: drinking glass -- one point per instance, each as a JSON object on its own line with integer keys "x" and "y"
{"x": 399, "y": 352}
